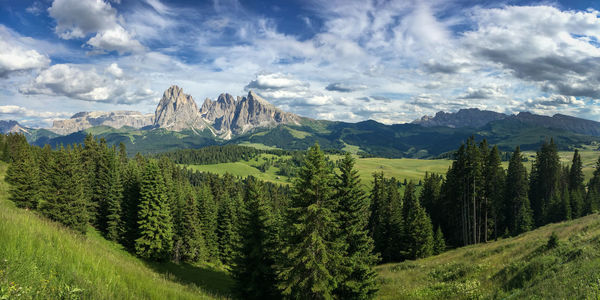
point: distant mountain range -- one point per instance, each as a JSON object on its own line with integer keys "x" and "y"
{"x": 178, "y": 122}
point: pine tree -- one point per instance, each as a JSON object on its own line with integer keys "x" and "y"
{"x": 544, "y": 182}
{"x": 65, "y": 201}
{"x": 517, "y": 208}
{"x": 439, "y": 244}
{"x": 23, "y": 176}
{"x": 419, "y": 231}
{"x": 313, "y": 256}
{"x": 155, "y": 227}
{"x": 430, "y": 197}
{"x": 254, "y": 270}
{"x": 359, "y": 280}
{"x": 207, "y": 208}
{"x": 227, "y": 231}
{"x": 131, "y": 179}
{"x": 576, "y": 186}
{"x": 192, "y": 240}
{"x": 592, "y": 198}
{"x": 114, "y": 197}
{"x": 494, "y": 179}
{"x": 524, "y": 216}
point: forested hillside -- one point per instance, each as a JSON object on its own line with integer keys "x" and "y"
{"x": 319, "y": 237}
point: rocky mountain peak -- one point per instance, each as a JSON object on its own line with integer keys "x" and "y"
{"x": 468, "y": 117}
{"x": 177, "y": 111}
{"x": 10, "y": 126}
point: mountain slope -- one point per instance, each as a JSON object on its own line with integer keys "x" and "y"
{"x": 40, "y": 259}
{"x": 522, "y": 267}
{"x": 11, "y": 126}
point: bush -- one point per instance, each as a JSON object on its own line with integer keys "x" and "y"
{"x": 552, "y": 241}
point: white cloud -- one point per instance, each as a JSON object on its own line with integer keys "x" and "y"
{"x": 80, "y": 18}
{"x": 19, "y": 111}
{"x": 275, "y": 81}
{"x": 86, "y": 84}
{"x": 15, "y": 55}
{"x": 114, "y": 70}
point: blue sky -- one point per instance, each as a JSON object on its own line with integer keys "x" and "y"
{"x": 391, "y": 61}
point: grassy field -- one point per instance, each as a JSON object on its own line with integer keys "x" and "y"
{"x": 523, "y": 267}
{"x": 42, "y": 260}
{"x": 403, "y": 168}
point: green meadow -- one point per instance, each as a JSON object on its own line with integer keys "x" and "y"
{"x": 522, "y": 267}
{"x": 402, "y": 168}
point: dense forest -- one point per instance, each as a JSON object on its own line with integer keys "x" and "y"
{"x": 319, "y": 237}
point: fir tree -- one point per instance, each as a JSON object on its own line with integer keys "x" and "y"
{"x": 131, "y": 179}
{"x": 155, "y": 227}
{"x": 254, "y": 270}
{"x": 23, "y": 176}
{"x": 517, "y": 207}
{"x": 359, "y": 280}
{"x": 313, "y": 255}
{"x": 494, "y": 180}
{"x": 227, "y": 233}
{"x": 439, "y": 244}
{"x": 419, "y": 231}
{"x": 66, "y": 202}
{"x": 544, "y": 182}
{"x": 208, "y": 211}
{"x": 192, "y": 240}
{"x": 576, "y": 186}
{"x": 114, "y": 197}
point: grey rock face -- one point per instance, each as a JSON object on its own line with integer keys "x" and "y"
{"x": 471, "y": 117}
{"x": 11, "y": 126}
{"x": 178, "y": 111}
{"x": 117, "y": 119}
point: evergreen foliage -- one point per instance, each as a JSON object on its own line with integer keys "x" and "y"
{"x": 154, "y": 217}
{"x": 419, "y": 231}
{"x": 23, "y": 176}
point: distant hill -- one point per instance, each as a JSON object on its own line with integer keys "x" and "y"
{"x": 10, "y": 126}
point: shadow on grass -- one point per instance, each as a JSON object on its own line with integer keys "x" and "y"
{"x": 210, "y": 280}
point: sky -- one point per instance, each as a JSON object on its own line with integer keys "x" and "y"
{"x": 390, "y": 61}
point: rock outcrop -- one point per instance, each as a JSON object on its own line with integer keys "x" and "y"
{"x": 117, "y": 119}
{"x": 10, "y": 126}
{"x": 178, "y": 111}
{"x": 470, "y": 117}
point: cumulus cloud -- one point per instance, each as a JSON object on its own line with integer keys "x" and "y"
{"x": 85, "y": 84}
{"x": 19, "y": 111}
{"x": 275, "y": 81}
{"x": 491, "y": 91}
{"x": 554, "y": 101}
{"x": 541, "y": 44}
{"x": 79, "y": 18}
{"x": 16, "y": 56}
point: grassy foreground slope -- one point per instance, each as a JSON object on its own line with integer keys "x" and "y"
{"x": 40, "y": 259}
{"x": 523, "y": 267}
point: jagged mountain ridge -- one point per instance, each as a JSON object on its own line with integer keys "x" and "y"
{"x": 10, "y": 126}
{"x": 475, "y": 118}
{"x": 226, "y": 117}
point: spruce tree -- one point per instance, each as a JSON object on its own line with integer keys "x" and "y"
{"x": 419, "y": 231}
{"x": 359, "y": 280}
{"x": 517, "y": 210}
{"x": 439, "y": 244}
{"x": 494, "y": 181}
{"x": 155, "y": 226}
{"x": 544, "y": 182}
{"x": 192, "y": 240}
{"x": 207, "y": 208}
{"x": 23, "y": 176}
{"x": 313, "y": 254}
{"x": 65, "y": 201}
{"x": 576, "y": 186}
{"x": 227, "y": 231}
{"x": 254, "y": 269}
{"x": 114, "y": 197}
{"x": 131, "y": 179}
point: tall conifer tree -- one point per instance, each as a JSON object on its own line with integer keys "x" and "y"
{"x": 23, "y": 176}
{"x": 313, "y": 255}
{"x": 155, "y": 228}
{"x": 359, "y": 280}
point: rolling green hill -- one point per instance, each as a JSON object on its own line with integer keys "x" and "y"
{"x": 523, "y": 267}
{"x": 42, "y": 260}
